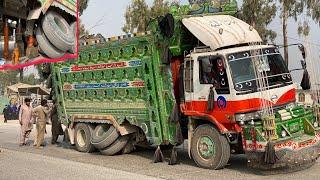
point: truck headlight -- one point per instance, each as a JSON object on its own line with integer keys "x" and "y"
{"x": 248, "y": 116}
{"x": 283, "y": 133}
{"x": 290, "y": 105}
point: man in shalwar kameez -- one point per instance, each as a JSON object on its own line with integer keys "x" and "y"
{"x": 25, "y": 120}
{"x": 42, "y": 113}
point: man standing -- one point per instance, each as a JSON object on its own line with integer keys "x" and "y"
{"x": 56, "y": 128}
{"x": 42, "y": 112}
{"x": 25, "y": 120}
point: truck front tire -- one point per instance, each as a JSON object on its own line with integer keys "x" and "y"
{"x": 209, "y": 149}
{"x": 58, "y": 31}
{"x": 83, "y": 133}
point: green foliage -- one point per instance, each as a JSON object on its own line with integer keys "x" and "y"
{"x": 302, "y": 11}
{"x": 83, "y": 4}
{"x": 82, "y": 30}
{"x": 260, "y": 13}
{"x": 138, "y": 14}
{"x": 8, "y": 78}
{"x": 30, "y": 79}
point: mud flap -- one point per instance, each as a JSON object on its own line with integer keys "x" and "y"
{"x": 71, "y": 135}
{"x": 190, "y": 134}
{"x": 34, "y": 14}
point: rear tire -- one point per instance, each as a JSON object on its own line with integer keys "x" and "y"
{"x": 104, "y": 135}
{"x": 209, "y": 149}
{"x": 58, "y": 31}
{"x": 83, "y": 133}
{"x": 46, "y": 47}
{"x": 116, "y": 147}
{"x": 73, "y": 28}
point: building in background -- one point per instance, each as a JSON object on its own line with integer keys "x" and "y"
{"x": 305, "y": 97}
{"x": 92, "y": 39}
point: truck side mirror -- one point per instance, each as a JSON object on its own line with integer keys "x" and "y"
{"x": 305, "y": 82}
{"x": 303, "y": 50}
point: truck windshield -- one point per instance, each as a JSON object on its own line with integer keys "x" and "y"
{"x": 271, "y": 62}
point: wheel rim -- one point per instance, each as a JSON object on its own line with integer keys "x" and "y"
{"x": 206, "y": 147}
{"x": 81, "y": 138}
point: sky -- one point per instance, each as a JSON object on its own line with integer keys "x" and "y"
{"x": 107, "y": 18}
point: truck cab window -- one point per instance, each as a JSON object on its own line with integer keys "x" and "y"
{"x": 212, "y": 71}
{"x": 188, "y": 76}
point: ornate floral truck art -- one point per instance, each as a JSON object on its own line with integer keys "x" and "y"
{"x": 41, "y": 29}
{"x": 202, "y": 76}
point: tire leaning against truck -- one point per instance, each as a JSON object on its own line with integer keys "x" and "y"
{"x": 104, "y": 135}
{"x": 116, "y": 146}
{"x": 73, "y": 27}
{"x": 58, "y": 31}
{"x": 46, "y": 47}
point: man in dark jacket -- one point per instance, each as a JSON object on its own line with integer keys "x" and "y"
{"x": 56, "y": 128}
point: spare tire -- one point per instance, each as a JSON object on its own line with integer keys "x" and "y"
{"x": 116, "y": 147}
{"x": 58, "y": 31}
{"x": 104, "y": 135}
{"x": 73, "y": 27}
{"x": 46, "y": 47}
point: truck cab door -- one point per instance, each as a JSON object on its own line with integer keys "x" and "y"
{"x": 210, "y": 75}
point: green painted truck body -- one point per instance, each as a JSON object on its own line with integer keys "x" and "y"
{"x": 122, "y": 78}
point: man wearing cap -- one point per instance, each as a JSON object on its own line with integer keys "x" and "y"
{"x": 25, "y": 120}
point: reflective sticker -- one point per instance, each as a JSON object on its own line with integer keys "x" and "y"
{"x": 221, "y": 102}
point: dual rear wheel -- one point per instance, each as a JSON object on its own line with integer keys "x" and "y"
{"x": 103, "y": 137}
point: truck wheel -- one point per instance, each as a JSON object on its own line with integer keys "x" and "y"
{"x": 208, "y": 148}
{"x": 226, "y": 150}
{"x": 46, "y": 47}
{"x": 58, "y": 31}
{"x": 82, "y": 138}
{"x": 73, "y": 27}
{"x": 116, "y": 147}
{"x": 104, "y": 135}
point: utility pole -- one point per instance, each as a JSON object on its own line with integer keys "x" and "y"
{"x": 285, "y": 32}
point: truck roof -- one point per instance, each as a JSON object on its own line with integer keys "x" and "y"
{"x": 217, "y": 31}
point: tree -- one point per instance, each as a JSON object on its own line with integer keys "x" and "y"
{"x": 83, "y": 4}
{"x": 137, "y": 16}
{"x": 8, "y": 78}
{"x": 294, "y": 9}
{"x": 259, "y": 14}
{"x": 82, "y": 30}
{"x": 159, "y": 8}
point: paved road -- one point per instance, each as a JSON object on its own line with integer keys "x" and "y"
{"x": 21, "y": 165}
{"x": 63, "y": 158}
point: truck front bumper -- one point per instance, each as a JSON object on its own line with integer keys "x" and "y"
{"x": 289, "y": 156}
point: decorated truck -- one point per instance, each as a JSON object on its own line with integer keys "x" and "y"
{"x": 45, "y": 26}
{"x": 197, "y": 75}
